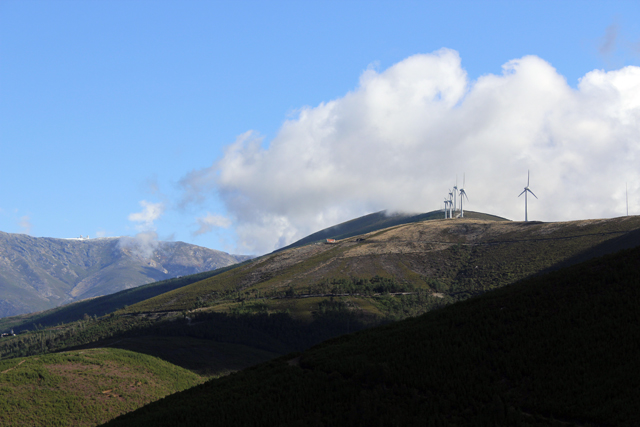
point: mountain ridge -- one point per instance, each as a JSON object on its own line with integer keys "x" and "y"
{"x": 37, "y": 273}
{"x": 376, "y": 221}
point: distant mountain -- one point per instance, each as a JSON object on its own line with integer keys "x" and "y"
{"x": 378, "y": 221}
{"x": 37, "y": 273}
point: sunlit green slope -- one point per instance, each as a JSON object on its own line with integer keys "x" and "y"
{"x": 84, "y": 388}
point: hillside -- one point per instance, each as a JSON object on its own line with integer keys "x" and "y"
{"x": 292, "y": 299}
{"x": 288, "y": 301}
{"x": 423, "y": 263}
{"x": 84, "y": 388}
{"x": 555, "y": 350}
{"x": 37, "y": 273}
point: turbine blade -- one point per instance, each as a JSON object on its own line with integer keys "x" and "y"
{"x": 527, "y": 177}
{"x": 522, "y": 193}
{"x": 532, "y": 193}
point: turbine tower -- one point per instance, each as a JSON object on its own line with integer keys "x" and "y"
{"x": 450, "y": 204}
{"x": 626, "y": 195}
{"x": 455, "y": 194}
{"x": 525, "y": 191}
{"x": 446, "y": 204}
{"x": 462, "y": 193}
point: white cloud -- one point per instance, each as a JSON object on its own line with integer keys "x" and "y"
{"x": 208, "y": 223}
{"x": 145, "y": 242}
{"x": 149, "y": 213}
{"x": 400, "y": 138}
{"x": 141, "y": 245}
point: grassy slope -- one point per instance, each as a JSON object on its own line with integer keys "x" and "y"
{"x": 559, "y": 349}
{"x": 454, "y": 258}
{"x": 84, "y": 388}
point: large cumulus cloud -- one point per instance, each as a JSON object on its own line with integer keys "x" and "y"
{"x": 400, "y": 138}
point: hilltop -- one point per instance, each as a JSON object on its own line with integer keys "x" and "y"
{"x": 37, "y": 273}
{"x": 440, "y": 260}
{"x": 377, "y": 221}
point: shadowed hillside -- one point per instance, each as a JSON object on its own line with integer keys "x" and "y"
{"x": 554, "y": 350}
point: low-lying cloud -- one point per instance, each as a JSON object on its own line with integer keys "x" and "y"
{"x": 399, "y": 139}
{"x": 142, "y": 245}
{"x": 150, "y": 212}
{"x": 145, "y": 242}
{"x": 25, "y": 224}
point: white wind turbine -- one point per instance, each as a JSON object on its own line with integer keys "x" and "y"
{"x": 455, "y": 194}
{"x": 446, "y": 207}
{"x": 451, "y": 204}
{"x": 462, "y": 193}
{"x": 525, "y": 191}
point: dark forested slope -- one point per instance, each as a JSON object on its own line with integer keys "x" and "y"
{"x": 557, "y": 349}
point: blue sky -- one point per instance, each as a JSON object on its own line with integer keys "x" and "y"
{"x": 184, "y": 118}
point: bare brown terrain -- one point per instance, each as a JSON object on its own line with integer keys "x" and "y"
{"x": 445, "y": 256}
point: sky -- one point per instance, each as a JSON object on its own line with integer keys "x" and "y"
{"x": 244, "y": 125}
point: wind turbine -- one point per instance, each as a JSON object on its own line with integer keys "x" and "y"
{"x": 462, "y": 193}
{"x": 446, "y": 204}
{"x": 455, "y": 194}
{"x": 626, "y": 195}
{"x": 450, "y": 204}
{"x": 525, "y": 191}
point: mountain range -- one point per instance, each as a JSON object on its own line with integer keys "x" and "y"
{"x": 38, "y": 273}
{"x": 474, "y": 321}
